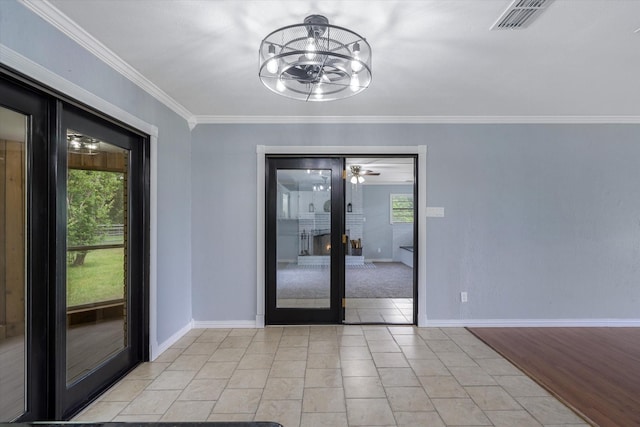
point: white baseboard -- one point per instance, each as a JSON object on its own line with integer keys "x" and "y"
{"x": 160, "y": 348}
{"x": 423, "y": 322}
{"x": 213, "y": 324}
{"x": 531, "y": 323}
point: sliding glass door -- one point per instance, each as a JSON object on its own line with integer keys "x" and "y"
{"x": 101, "y": 216}
{"x": 24, "y": 265}
{"x": 73, "y": 253}
{"x": 13, "y": 196}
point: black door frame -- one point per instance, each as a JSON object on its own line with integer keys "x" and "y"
{"x": 47, "y": 394}
{"x": 335, "y": 313}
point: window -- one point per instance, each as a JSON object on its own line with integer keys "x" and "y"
{"x": 401, "y": 208}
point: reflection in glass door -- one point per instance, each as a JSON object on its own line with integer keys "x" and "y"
{"x": 13, "y": 185}
{"x": 96, "y": 282}
{"x": 303, "y": 242}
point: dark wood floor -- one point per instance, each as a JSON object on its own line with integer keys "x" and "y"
{"x": 88, "y": 346}
{"x": 595, "y": 371}
{"x": 12, "y": 352}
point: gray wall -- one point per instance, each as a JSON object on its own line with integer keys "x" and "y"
{"x": 542, "y": 221}
{"x": 378, "y": 230}
{"x": 27, "y": 34}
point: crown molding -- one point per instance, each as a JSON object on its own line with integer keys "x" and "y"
{"x": 202, "y": 119}
{"x": 67, "y": 26}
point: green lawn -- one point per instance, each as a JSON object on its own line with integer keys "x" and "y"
{"x": 101, "y": 278}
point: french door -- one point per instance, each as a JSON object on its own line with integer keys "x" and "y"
{"x": 73, "y": 245}
{"x": 340, "y": 236}
{"x": 304, "y": 231}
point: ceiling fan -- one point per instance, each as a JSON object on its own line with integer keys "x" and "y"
{"x": 357, "y": 174}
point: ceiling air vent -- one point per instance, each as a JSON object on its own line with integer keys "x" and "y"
{"x": 520, "y": 14}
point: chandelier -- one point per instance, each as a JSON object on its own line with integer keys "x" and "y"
{"x": 82, "y": 144}
{"x": 315, "y": 61}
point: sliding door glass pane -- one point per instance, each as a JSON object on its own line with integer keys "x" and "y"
{"x": 303, "y": 278}
{"x": 96, "y": 252}
{"x": 12, "y": 264}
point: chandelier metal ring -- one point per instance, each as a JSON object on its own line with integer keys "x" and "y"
{"x": 315, "y": 61}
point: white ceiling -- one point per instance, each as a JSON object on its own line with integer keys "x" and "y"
{"x": 432, "y": 59}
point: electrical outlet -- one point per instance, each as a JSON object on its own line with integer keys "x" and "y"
{"x": 463, "y": 297}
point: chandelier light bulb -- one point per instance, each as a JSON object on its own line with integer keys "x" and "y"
{"x": 360, "y": 179}
{"x": 356, "y": 65}
{"x": 355, "y": 83}
{"x": 354, "y": 179}
{"x": 272, "y": 64}
{"x": 310, "y": 49}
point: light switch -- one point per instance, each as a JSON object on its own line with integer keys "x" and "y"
{"x": 435, "y": 212}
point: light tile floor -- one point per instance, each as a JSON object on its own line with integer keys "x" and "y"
{"x": 362, "y": 310}
{"x": 379, "y": 310}
{"x": 332, "y": 376}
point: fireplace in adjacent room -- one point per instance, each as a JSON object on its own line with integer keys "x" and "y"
{"x": 322, "y": 244}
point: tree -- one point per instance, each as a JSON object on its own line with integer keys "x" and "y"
{"x": 92, "y": 200}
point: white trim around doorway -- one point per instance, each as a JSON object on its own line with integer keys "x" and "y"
{"x": 264, "y": 150}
